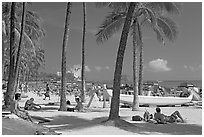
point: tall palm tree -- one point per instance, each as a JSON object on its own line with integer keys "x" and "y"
{"x": 32, "y": 36}
{"x": 18, "y": 56}
{"x": 152, "y": 13}
{"x": 135, "y": 105}
{"x": 83, "y": 54}
{"x": 11, "y": 81}
{"x": 63, "y": 67}
{"x": 114, "y": 112}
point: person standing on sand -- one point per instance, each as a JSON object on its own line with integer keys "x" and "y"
{"x": 79, "y": 106}
{"x": 161, "y": 118}
{"x": 15, "y": 108}
{"x": 47, "y": 93}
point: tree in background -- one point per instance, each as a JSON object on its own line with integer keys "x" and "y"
{"x": 83, "y": 54}
{"x": 64, "y": 49}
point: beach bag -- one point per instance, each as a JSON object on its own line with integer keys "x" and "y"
{"x": 70, "y": 109}
{"x": 137, "y": 118}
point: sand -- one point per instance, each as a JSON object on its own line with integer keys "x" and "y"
{"x": 91, "y": 121}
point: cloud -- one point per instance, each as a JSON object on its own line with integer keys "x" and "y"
{"x": 100, "y": 68}
{"x": 87, "y": 69}
{"x": 76, "y": 69}
{"x": 193, "y": 68}
{"x": 159, "y": 65}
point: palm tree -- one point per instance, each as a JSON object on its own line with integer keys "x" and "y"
{"x": 11, "y": 81}
{"x": 18, "y": 56}
{"x": 63, "y": 67}
{"x": 32, "y": 36}
{"x": 83, "y": 54}
{"x": 152, "y": 13}
{"x": 114, "y": 112}
{"x": 135, "y": 105}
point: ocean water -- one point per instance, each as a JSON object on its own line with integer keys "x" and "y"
{"x": 169, "y": 83}
{"x": 176, "y": 83}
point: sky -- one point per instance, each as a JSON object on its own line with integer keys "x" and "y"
{"x": 181, "y": 60}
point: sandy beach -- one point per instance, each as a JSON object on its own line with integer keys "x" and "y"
{"x": 91, "y": 121}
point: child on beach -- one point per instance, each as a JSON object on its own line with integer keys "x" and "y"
{"x": 161, "y": 118}
{"x": 15, "y": 108}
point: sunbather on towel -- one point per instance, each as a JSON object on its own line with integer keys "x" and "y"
{"x": 15, "y": 108}
{"x": 161, "y": 118}
{"x": 30, "y": 105}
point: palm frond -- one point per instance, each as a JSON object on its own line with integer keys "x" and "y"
{"x": 169, "y": 27}
{"x": 26, "y": 38}
{"x": 149, "y": 14}
{"x": 172, "y": 7}
{"x": 113, "y": 5}
{"x": 102, "y": 4}
{"x": 110, "y": 26}
{"x": 164, "y": 7}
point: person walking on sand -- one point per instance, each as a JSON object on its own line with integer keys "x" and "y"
{"x": 161, "y": 118}
{"x": 79, "y": 106}
{"x": 15, "y": 108}
{"x": 47, "y": 93}
{"x": 30, "y": 105}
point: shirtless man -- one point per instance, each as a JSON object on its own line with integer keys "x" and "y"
{"x": 15, "y": 108}
{"x": 161, "y": 118}
{"x": 30, "y": 105}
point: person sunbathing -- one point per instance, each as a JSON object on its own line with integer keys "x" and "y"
{"x": 15, "y": 108}
{"x": 161, "y": 118}
{"x": 30, "y": 105}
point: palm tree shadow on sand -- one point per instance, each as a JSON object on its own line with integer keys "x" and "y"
{"x": 72, "y": 122}
{"x": 75, "y": 123}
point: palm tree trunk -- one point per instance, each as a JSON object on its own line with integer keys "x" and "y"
{"x": 83, "y": 55}
{"x": 17, "y": 81}
{"x": 114, "y": 112}
{"x": 135, "y": 105}
{"x": 18, "y": 56}
{"x": 11, "y": 80}
{"x": 140, "y": 81}
{"x": 63, "y": 69}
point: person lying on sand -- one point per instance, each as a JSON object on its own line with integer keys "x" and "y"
{"x": 30, "y": 105}
{"x": 15, "y": 108}
{"x": 161, "y": 118}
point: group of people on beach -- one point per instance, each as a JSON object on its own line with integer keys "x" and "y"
{"x": 30, "y": 105}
